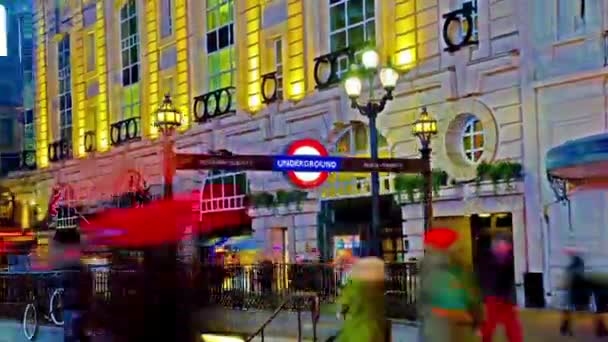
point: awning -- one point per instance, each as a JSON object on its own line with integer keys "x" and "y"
{"x": 580, "y": 159}
{"x": 224, "y": 210}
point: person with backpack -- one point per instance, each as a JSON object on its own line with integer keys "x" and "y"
{"x": 449, "y": 305}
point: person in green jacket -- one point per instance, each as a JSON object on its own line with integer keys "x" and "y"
{"x": 449, "y": 300}
{"x": 363, "y": 297}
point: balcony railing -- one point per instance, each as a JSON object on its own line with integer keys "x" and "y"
{"x": 89, "y": 141}
{"x": 125, "y": 131}
{"x": 271, "y": 88}
{"x": 28, "y": 160}
{"x": 214, "y": 104}
{"x": 60, "y": 150}
{"x": 329, "y": 68}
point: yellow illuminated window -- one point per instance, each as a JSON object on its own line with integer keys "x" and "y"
{"x": 90, "y": 118}
{"x": 129, "y": 43}
{"x": 90, "y": 51}
{"x": 65, "y": 89}
{"x": 278, "y": 64}
{"x": 221, "y": 62}
{"x": 166, "y": 18}
{"x": 355, "y": 141}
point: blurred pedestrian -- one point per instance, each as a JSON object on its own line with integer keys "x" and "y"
{"x": 364, "y": 298}
{"x": 498, "y": 291}
{"x": 579, "y": 295}
{"x": 449, "y": 298}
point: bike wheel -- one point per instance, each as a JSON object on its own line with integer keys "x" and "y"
{"x": 30, "y": 322}
{"x": 56, "y": 307}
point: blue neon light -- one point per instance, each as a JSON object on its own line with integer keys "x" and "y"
{"x": 306, "y": 164}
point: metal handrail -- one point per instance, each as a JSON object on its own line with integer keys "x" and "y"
{"x": 282, "y": 307}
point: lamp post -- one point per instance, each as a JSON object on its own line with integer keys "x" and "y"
{"x": 370, "y": 70}
{"x": 425, "y": 127}
{"x": 161, "y": 264}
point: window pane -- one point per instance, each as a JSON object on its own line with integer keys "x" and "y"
{"x": 226, "y": 80}
{"x": 338, "y": 41}
{"x": 370, "y": 31}
{"x": 343, "y": 145}
{"x": 134, "y": 55}
{"x": 225, "y": 58}
{"x": 466, "y": 143}
{"x": 337, "y": 17}
{"x": 135, "y": 73}
{"x": 211, "y": 42}
{"x": 382, "y": 141}
{"x": 225, "y": 13}
{"x": 369, "y": 8}
{"x": 356, "y": 37}
{"x": 214, "y": 63}
{"x": 126, "y": 77}
{"x": 212, "y": 20}
{"x": 355, "y": 11}
{"x": 133, "y": 26}
{"x": 224, "y": 38}
{"x": 361, "y": 139}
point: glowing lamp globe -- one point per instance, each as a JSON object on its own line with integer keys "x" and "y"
{"x": 167, "y": 116}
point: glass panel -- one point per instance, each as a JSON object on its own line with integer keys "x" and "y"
{"x": 466, "y": 142}
{"x": 225, "y": 60}
{"x": 214, "y": 63}
{"x": 370, "y": 31}
{"x": 226, "y": 80}
{"x": 343, "y": 145}
{"x": 355, "y": 11}
{"x": 356, "y": 36}
{"x": 224, "y": 37}
{"x": 338, "y": 41}
{"x": 225, "y": 13}
{"x": 212, "y": 20}
{"x": 382, "y": 141}
{"x": 477, "y": 155}
{"x": 133, "y": 26}
{"x": 337, "y": 18}
{"x": 361, "y": 139}
{"x": 478, "y": 126}
{"x": 369, "y": 8}
{"x": 478, "y": 141}
{"x": 211, "y": 42}
{"x": 135, "y": 73}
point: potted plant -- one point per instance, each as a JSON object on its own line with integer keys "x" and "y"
{"x": 297, "y": 197}
{"x": 510, "y": 171}
{"x": 439, "y": 179}
{"x": 262, "y": 199}
{"x": 483, "y": 172}
{"x": 408, "y": 184}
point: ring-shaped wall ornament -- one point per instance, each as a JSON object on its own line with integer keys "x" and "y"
{"x": 59, "y": 150}
{"x": 456, "y": 18}
{"x": 89, "y": 141}
{"x": 269, "y": 79}
{"x": 214, "y": 104}
{"x": 124, "y": 131}
{"x": 331, "y": 60}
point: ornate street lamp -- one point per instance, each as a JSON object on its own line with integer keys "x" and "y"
{"x": 353, "y": 85}
{"x": 168, "y": 119}
{"x": 425, "y": 128}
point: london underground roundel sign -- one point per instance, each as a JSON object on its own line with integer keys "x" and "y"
{"x": 307, "y": 147}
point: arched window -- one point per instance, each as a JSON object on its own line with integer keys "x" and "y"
{"x": 3, "y": 29}
{"x": 355, "y": 141}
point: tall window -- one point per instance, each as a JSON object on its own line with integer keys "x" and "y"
{"x": 278, "y": 63}
{"x": 129, "y": 46}
{"x": 29, "y": 131}
{"x": 65, "y": 89}
{"x": 473, "y": 138}
{"x": 167, "y": 18}
{"x": 3, "y": 29}
{"x": 574, "y": 15}
{"x": 220, "y": 44}
{"x": 351, "y": 23}
{"x": 90, "y": 51}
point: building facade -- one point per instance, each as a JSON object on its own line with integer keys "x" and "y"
{"x": 16, "y": 83}
{"x": 251, "y": 76}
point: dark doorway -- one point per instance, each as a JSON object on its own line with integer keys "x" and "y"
{"x": 344, "y": 224}
{"x": 484, "y": 229}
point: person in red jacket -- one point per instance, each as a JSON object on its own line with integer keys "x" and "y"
{"x": 498, "y": 292}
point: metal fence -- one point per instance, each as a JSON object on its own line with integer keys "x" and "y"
{"x": 116, "y": 292}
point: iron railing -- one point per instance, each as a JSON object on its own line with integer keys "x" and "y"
{"x": 113, "y": 292}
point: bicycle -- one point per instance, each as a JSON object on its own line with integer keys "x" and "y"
{"x": 54, "y": 314}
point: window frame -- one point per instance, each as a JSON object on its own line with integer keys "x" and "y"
{"x": 127, "y": 43}
{"x": 64, "y": 92}
{"x": 277, "y": 45}
{"x": 167, "y": 14}
{"x": 468, "y": 130}
{"x": 347, "y": 25}
{"x": 214, "y": 77}
{"x": 581, "y": 16}
{"x": 90, "y": 52}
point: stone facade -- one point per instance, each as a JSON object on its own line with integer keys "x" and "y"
{"x": 528, "y": 90}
